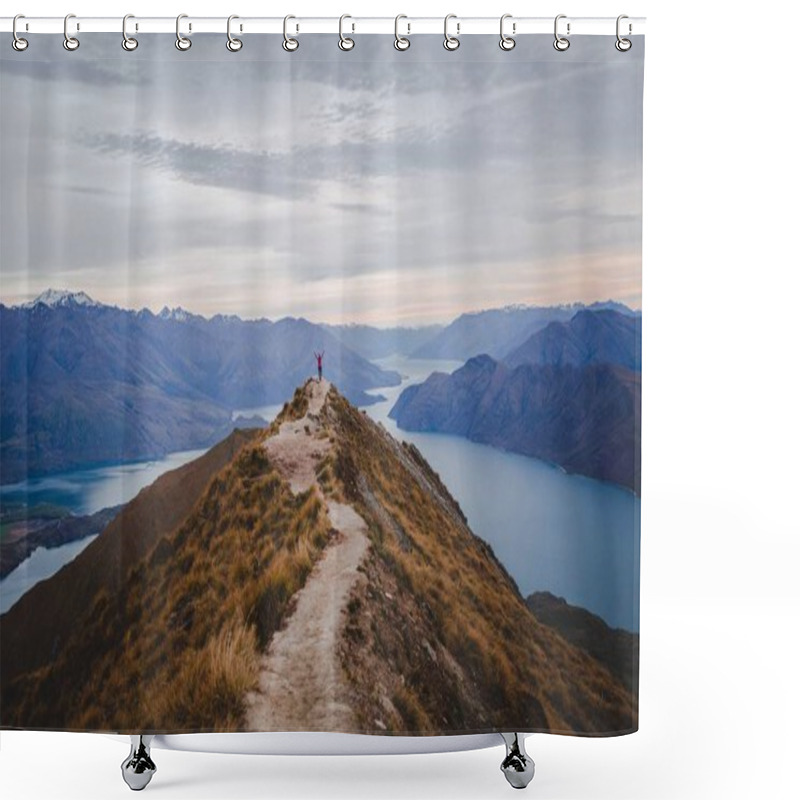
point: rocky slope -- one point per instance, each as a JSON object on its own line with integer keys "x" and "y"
{"x": 586, "y": 419}
{"x": 322, "y": 577}
{"x": 590, "y": 337}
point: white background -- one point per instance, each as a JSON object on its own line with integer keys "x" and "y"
{"x": 720, "y": 607}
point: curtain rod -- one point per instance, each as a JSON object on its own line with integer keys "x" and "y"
{"x": 602, "y": 26}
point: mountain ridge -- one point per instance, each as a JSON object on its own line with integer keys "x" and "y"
{"x": 590, "y": 337}
{"x": 431, "y": 635}
{"x": 84, "y": 384}
{"x": 586, "y": 420}
{"x": 499, "y": 331}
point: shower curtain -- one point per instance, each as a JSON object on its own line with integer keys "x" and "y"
{"x": 321, "y": 385}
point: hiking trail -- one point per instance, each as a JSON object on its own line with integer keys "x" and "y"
{"x": 301, "y": 686}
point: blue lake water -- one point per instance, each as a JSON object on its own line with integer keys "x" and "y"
{"x": 85, "y": 491}
{"x": 82, "y": 491}
{"x": 568, "y": 534}
{"x": 40, "y": 565}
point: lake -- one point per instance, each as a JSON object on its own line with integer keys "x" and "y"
{"x": 567, "y": 534}
{"x": 82, "y": 491}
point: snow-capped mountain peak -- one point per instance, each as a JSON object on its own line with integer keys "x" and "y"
{"x": 58, "y": 298}
{"x": 178, "y": 314}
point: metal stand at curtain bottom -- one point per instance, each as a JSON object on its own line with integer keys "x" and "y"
{"x": 517, "y": 766}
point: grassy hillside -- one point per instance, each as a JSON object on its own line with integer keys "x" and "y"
{"x": 615, "y": 648}
{"x": 439, "y": 637}
{"x": 163, "y": 622}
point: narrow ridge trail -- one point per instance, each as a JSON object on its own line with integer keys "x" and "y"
{"x": 301, "y": 686}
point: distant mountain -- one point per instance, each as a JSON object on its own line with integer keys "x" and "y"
{"x": 60, "y": 298}
{"x": 499, "y": 331}
{"x": 84, "y": 383}
{"x": 317, "y": 575}
{"x": 616, "y": 649}
{"x": 375, "y": 343}
{"x": 179, "y": 314}
{"x": 590, "y": 337}
{"x": 586, "y": 419}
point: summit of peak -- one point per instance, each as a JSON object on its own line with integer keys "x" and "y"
{"x": 60, "y": 298}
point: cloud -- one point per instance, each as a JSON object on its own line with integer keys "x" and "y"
{"x": 434, "y": 177}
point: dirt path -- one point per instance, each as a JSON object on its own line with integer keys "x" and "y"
{"x": 301, "y": 686}
{"x": 295, "y": 450}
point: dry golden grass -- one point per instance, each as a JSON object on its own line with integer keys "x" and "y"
{"x": 297, "y": 406}
{"x": 177, "y": 649}
{"x": 213, "y": 682}
{"x": 488, "y": 663}
{"x": 437, "y": 638}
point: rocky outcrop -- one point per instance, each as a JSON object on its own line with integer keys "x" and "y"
{"x": 585, "y": 419}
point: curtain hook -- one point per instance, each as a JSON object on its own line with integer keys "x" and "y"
{"x": 18, "y": 43}
{"x": 623, "y": 45}
{"x": 181, "y": 42}
{"x": 289, "y": 44}
{"x": 128, "y": 42}
{"x": 507, "y": 42}
{"x": 345, "y": 42}
{"x": 233, "y": 44}
{"x": 401, "y": 42}
{"x": 561, "y": 43}
{"x": 451, "y": 42}
{"x": 70, "y": 42}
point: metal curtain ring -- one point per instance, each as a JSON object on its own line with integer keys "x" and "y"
{"x": 401, "y": 42}
{"x": 17, "y": 42}
{"x": 181, "y": 42}
{"x": 507, "y": 42}
{"x": 289, "y": 44}
{"x": 70, "y": 42}
{"x": 128, "y": 42}
{"x": 623, "y": 45}
{"x": 561, "y": 43}
{"x": 233, "y": 44}
{"x": 345, "y": 42}
{"x": 451, "y": 42}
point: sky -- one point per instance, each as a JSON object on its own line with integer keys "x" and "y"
{"x": 371, "y": 186}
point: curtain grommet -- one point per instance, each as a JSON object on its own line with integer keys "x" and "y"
{"x": 17, "y": 42}
{"x": 507, "y": 42}
{"x": 70, "y": 43}
{"x": 401, "y": 43}
{"x": 183, "y": 43}
{"x": 233, "y": 44}
{"x": 129, "y": 43}
{"x": 451, "y": 43}
{"x": 289, "y": 44}
{"x": 561, "y": 43}
{"x": 346, "y": 43}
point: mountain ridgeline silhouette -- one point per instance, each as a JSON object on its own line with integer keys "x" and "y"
{"x": 569, "y": 394}
{"x": 83, "y": 383}
{"x": 178, "y": 614}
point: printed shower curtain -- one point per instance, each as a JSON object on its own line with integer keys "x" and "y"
{"x": 321, "y": 385}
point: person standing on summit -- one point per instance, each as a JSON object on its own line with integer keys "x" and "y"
{"x": 318, "y": 356}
